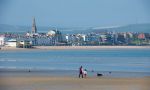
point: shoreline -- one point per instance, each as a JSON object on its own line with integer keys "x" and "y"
{"x": 72, "y": 48}
{"x": 71, "y": 73}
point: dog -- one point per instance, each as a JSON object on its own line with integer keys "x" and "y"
{"x": 99, "y": 74}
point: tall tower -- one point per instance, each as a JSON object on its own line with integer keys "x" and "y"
{"x": 34, "y": 29}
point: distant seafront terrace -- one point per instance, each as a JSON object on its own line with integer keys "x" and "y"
{"x": 55, "y": 37}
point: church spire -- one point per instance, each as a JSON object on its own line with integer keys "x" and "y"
{"x": 34, "y": 29}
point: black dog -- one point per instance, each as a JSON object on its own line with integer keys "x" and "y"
{"x": 99, "y": 74}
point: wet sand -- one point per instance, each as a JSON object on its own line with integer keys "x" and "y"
{"x": 73, "y": 83}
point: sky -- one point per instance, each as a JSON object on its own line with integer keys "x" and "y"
{"x": 75, "y": 13}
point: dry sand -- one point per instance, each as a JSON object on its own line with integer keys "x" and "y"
{"x": 72, "y": 83}
{"x": 73, "y": 47}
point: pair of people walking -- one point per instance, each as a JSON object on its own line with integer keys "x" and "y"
{"x": 82, "y": 73}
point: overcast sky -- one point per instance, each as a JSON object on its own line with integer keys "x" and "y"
{"x": 75, "y": 13}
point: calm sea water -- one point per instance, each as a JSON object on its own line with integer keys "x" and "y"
{"x": 136, "y": 62}
{"x": 129, "y": 60}
{"x": 125, "y": 60}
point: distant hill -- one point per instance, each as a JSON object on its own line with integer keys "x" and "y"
{"x": 127, "y": 28}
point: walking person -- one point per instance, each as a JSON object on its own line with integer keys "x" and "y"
{"x": 81, "y": 72}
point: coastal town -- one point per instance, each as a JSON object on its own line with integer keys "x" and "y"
{"x": 74, "y": 44}
{"x": 55, "y": 37}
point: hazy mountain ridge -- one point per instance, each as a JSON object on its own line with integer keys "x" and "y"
{"x": 127, "y": 28}
{"x": 132, "y": 28}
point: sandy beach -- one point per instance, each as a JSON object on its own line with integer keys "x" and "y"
{"x": 73, "y": 83}
{"x": 73, "y": 47}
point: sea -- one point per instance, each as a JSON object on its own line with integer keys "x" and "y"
{"x": 109, "y": 62}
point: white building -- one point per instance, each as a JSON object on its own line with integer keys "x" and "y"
{"x": 11, "y": 43}
{"x": 51, "y": 33}
{"x": 67, "y": 38}
{"x": 84, "y": 37}
{"x": 2, "y": 40}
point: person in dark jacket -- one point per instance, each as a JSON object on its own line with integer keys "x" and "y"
{"x": 81, "y": 72}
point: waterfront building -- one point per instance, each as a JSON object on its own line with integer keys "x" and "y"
{"x": 141, "y": 36}
{"x": 147, "y": 36}
{"x": 130, "y": 35}
{"x": 121, "y": 40}
{"x": 103, "y": 38}
{"x": 51, "y": 33}
{"x": 55, "y": 37}
{"x": 83, "y": 36}
{"x": 2, "y": 40}
{"x": 24, "y": 44}
{"x": 67, "y": 38}
{"x": 11, "y": 43}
